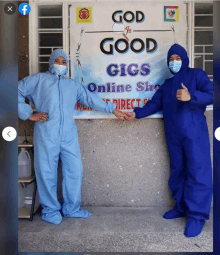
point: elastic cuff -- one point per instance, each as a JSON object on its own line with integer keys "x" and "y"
{"x": 136, "y": 110}
{"x": 192, "y": 100}
{"x": 29, "y": 114}
{"x": 114, "y": 107}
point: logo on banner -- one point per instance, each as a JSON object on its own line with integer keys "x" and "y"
{"x": 84, "y": 15}
{"x": 171, "y": 13}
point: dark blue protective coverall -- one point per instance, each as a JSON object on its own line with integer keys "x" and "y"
{"x": 186, "y": 135}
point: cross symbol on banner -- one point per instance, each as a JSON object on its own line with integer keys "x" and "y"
{"x": 128, "y": 29}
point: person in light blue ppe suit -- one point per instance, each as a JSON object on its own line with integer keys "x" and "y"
{"x": 183, "y": 99}
{"x": 56, "y": 137}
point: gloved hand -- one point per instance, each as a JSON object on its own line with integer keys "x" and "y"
{"x": 41, "y": 117}
{"x": 183, "y": 94}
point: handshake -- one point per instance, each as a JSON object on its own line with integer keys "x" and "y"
{"x": 42, "y": 116}
{"x": 128, "y": 116}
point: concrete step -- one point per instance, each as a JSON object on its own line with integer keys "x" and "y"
{"x": 114, "y": 229}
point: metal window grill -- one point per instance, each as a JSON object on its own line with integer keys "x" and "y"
{"x": 203, "y": 42}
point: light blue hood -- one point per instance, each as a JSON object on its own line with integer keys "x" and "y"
{"x": 55, "y": 54}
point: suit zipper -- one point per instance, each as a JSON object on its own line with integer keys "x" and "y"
{"x": 60, "y": 94}
{"x": 173, "y": 106}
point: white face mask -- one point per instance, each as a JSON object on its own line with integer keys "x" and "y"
{"x": 60, "y": 69}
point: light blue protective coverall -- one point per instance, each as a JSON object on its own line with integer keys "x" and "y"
{"x": 57, "y": 137}
{"x": 186, "y": 135}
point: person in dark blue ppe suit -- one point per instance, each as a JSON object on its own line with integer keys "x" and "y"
{"x": 183, "y": 99}
{"x": 56, "y": 137}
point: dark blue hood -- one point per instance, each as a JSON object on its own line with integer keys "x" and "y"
{"x": 180, "y": 51}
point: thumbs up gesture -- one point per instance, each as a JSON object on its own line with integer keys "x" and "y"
{"x": 183, "y": 94}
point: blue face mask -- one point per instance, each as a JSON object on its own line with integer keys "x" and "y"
{"x": 175, "y": 65}
{"x": 60, "y": 69}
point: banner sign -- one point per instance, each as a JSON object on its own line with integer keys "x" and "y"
{"x": 119, "y": 50}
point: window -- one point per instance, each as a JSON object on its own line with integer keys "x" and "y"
{"x": 50, "y": 33}
{"x": 203, "y": 45}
